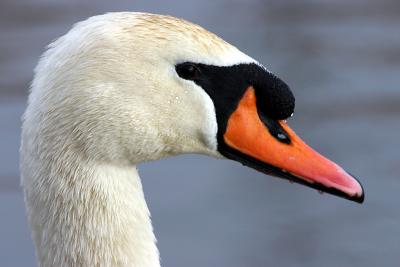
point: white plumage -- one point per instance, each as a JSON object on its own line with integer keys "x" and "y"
{"x": 123, "y": 88}
{"x": 105, "y": 97}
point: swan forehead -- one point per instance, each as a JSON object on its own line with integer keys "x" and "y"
{"x": 178, "y": 40}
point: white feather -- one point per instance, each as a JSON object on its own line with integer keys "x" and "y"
{"x": 105, "y": 97}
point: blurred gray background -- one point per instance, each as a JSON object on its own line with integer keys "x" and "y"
{"x": 342, "y": 60}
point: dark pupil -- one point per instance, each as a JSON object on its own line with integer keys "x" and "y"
{"x": 187, "y": 71}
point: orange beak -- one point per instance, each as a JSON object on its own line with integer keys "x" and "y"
{"x": 247, "y": 134}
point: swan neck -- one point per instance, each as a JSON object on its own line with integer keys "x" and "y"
{"x": 89, "y": 215}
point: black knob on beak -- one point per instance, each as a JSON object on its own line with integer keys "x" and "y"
{"x": 274, "y": 97}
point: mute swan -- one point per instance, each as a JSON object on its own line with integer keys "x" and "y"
{"x": 122, "y": 88}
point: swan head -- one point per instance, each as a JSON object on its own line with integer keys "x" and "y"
{"x": 131, "y": 87}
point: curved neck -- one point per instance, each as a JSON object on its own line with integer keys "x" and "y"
{"x": 91, "y": 215}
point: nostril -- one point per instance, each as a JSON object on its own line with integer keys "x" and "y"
{"x": 275, "y": 129}
{"x": 281, "y": 136}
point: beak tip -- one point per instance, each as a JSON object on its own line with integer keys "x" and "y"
{"x": 359, "y": 198}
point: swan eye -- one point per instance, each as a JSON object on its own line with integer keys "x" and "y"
{"x": 188, "y": 71}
